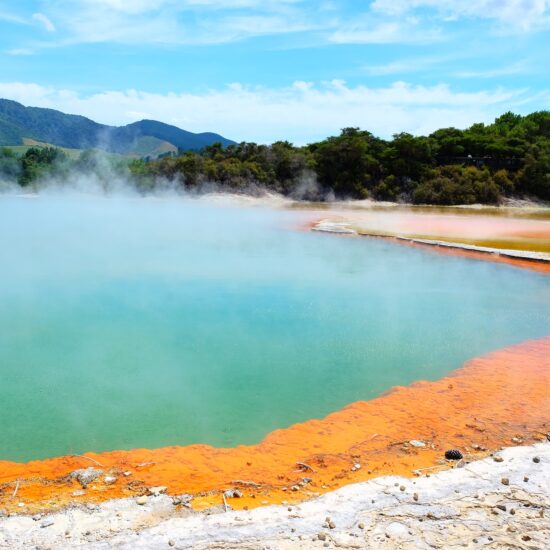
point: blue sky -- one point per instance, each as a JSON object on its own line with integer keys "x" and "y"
{"x": 263, "y": 70}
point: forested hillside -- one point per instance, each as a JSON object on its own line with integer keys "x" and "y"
{"x": 481, "y": 164}
{"x": 450, "y": 166}
{"x": 18, "y": 122}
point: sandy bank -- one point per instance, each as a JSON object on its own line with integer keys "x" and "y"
{"x": 486, "y": 503}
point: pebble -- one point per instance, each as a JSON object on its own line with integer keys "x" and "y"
{"x": 536, "y": 459}
{"x": 141, "y": 500}
{"x": 110, "y": 480}
{"x": 332, "y": 525}
{"x": 295, "y": 488}
{"x": 415, "y": 497}
{"x": 322, "y": 536}
{"x": 37, "y": 517}
{"x": 361, "y": 525}
{"x": 498, "y": 459}
{"x": 157, "y": 491}
{"x": 184, "y": 500}
{"x": 78, "y": 493}
{"x": 232, "y": 493}
{"x": 126, "y": 474}
{"x": 525, "y": 537}
{"x": 501, "y": 507}
{"x": 505, "y": 481}
{"x": 171, "y": 543}
{"x": 402, "y": 488}
{"x": 526, "y": 479}
{"x": 417, "y": 443}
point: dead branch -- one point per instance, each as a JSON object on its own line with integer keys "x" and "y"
{"x": 304, "y": 466}
{"x": 224, "y": 502}
{"x": 246, "y": 483}
{"x": 89, "y": 458}
{"x": 16, "y": 489}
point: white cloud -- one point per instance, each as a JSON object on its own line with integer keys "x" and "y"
{"x": 198, "y": 22}
{"x": 384, "y": 33}
{"x": 406, "y": 65}
{"x": 185, "y": 22}
{"x": 20, "y": 51}
{"x": 12, "y": 18}
{"x": 302, "y": 112}
{"x": 521, "y": 67}
{"x": 44, "y": 20}
{"x": 522, "y": 14}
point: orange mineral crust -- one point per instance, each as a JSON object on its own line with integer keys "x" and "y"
{"x": 497, "y": 400}
{"x": 532, "y": 265}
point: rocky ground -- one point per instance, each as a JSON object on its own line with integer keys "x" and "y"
{"x": 499, "y": 502}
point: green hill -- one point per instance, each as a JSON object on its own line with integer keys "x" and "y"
{"x": 143, "y": 138}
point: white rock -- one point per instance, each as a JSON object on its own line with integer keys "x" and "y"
{"x": 396, "y": 529}
{"x": 85, "y": 476}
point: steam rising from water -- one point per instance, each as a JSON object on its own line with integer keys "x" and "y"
{"x": 128, "y": 321}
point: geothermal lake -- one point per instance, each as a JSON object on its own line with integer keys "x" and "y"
{"x": 130, "y": 322}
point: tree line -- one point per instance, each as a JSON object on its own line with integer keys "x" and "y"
{"x": 481, "y": 164}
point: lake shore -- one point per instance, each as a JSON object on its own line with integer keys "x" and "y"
{"x": 404, "y": 432}
{"x": 496, "y": 502}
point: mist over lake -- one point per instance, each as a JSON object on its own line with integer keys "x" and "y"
{"x": 143, "y": 322}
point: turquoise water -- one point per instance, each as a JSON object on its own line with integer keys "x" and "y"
{"x": 144, "y": 322}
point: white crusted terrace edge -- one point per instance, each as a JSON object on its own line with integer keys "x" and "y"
{"x": 327, "y": 226}
{"x": 485, "y": 504}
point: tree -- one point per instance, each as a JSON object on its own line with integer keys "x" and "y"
{"x": 346, "y": 164}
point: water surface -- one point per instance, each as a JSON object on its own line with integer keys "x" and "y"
{"x": 145, "y": 322}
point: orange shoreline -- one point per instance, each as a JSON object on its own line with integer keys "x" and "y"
{"x": 533, "y": 265}
{"x": 497, "y": 400}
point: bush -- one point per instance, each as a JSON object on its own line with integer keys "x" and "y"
{"x": 453, "y": 185}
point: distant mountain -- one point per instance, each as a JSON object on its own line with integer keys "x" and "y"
{"x": 146, "y": 137}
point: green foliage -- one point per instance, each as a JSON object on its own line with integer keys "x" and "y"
{"x": 347, "y": 164}
{"x": 40, "y": 162}
{"x": 534, "y": 177}
{"x": 448, "y": 185}
{"x": 10, "y": 166}
{"x": 481, "y": 164}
